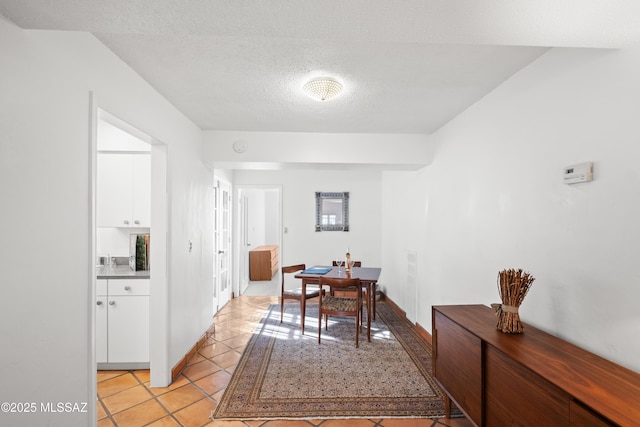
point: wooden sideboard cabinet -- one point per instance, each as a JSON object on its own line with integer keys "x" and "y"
{"x": 530, "y": 379}
{"x": 263, "y": 262}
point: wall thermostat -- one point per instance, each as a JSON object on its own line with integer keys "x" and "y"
{"x": 582, "y": 172}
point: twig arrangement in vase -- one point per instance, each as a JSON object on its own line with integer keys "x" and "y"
{"x": 513, "y": 286}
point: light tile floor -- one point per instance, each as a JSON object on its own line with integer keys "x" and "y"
{"x": 125, "y": 398}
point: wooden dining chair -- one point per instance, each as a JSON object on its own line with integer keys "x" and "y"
{"x": 365, "y": 294}
{"x": 342, "y": 306}
{"x": 310, "y": 292}
{"x": 355, "y": 264}
{"x": 347, "y": 293}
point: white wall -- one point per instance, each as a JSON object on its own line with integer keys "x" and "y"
{"x": 45, "y": 255}
{"x": 272, "y": 230}
{"x": 304, "y": 149}
{"x": 493, "y": 198}
{"x": 302, "y": 244}
{"x": 191, "y": 271}
{"x": 256, "y": 217}
{"x": 404, "y": 210}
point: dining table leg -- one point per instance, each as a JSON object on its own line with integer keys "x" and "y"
{"x": 303, "y": 304}
{"x": 373, "y": 298}
{"x": 368, "y": 313}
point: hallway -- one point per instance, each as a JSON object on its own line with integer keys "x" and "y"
{"x": 126, "y": 400}
{"x": 264, "y": 288}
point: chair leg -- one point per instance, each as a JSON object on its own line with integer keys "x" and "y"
{"x": 302, "y": 314}
{"x": 319, "y": 322}
{"x": 368, "y": 323}
{"x": 357, "y": 331}
{"x": 281, "y": 308}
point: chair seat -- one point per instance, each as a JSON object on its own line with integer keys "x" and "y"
{"x": 331, "y": 303}
{"x": 298, "y": 292}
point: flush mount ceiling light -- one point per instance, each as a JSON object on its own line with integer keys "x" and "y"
{"x": 323, "y": 88}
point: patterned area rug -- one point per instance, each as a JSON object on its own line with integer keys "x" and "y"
{"x": 284, "y": 375}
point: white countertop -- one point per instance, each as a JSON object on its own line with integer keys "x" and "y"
{"x": 121, "y": 272}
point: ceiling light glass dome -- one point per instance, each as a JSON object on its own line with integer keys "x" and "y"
{"x": 323, "y": 88}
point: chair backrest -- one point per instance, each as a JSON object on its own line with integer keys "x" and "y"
{"x": 342, "y": 284}
{"x": 355, "y": 264}
{"x": 291, "y": 269}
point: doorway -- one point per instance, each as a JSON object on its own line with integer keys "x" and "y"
{"x": 259, "y": 220}
{"x": 113, "y": 135}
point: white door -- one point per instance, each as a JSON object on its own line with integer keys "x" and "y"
{"x": 222, "y": 239}
{"x": 245, "y": 244}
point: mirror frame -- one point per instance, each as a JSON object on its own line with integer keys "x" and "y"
{"x": 344, "y": 196}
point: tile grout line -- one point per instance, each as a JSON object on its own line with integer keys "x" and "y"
{"x": 158, "y": 401}
{"x": 104, "y": 406}
{"x": 153, "y": 397}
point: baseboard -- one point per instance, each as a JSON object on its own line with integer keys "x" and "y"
{"x": 423, "y": 333}
{"x": 177, "y": 369}
{"x": 395, "y": 307}
{"x": 426, "y": 336}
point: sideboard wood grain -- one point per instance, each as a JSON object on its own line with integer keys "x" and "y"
{"x": 528, "y": 379}
{"x": 460, "y": 365}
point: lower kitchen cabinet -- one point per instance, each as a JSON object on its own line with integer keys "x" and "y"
{"x": 101, "y": 321}
{"x": 122, "y": 323}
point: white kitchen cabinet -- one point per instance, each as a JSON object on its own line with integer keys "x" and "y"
{"x": 101, "y": 321}
{"x": 123, "y": 190}
{"x": 123, "y": 327}
{"x": 128, "y": 329}
{"x": 141, "y": 191}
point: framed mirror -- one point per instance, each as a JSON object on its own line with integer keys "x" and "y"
{"x": 332, "y": 211}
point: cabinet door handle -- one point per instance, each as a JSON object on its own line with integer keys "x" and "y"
{"x": 127, "y": 288}
{"x": 126, "y": 222}
{"x": 112, "y": 303}
{"x": 136, "y": 222}
{"x": 99, "y": 302}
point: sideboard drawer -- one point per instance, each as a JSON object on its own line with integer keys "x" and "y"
{"x": 582, "y": 417}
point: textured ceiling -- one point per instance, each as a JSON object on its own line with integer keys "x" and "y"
{"x": 408, "y": 66}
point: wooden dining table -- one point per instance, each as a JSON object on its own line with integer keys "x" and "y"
{"x": 368, "y": 277}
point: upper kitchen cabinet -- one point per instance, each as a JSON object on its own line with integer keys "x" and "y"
{"x": 123, "y": 190}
